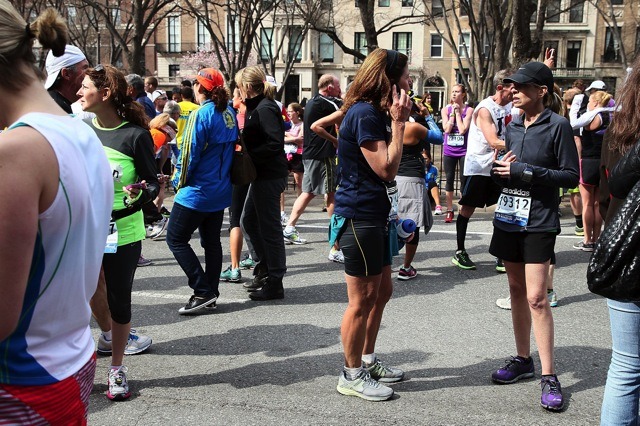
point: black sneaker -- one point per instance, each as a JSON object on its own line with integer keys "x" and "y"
{"x": 257, "y": 283}
{"x": 198, "y": 302}
{"x": 271, "y": 290}
{"x": 462, "y": 261}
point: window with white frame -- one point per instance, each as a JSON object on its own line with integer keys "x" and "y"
{"x": 402, "y": 43}
{"x": 436, "y": 46}
{"x": 72, "y": 12}
{"x": 173, "y": 34}
{"x": 174, "y": 70}
{"x": 464, "y": 39}
{"x": 359, "y": 44}
{"x": 437, "y": 9}
{"x": 325, "y": 48}
{"x": 384, "y": 3}
{"x": 233, "y": 34}
{"x": 204, "y": 37}
{"x": 573, "y": 53}
{"x": 266, "y": 44}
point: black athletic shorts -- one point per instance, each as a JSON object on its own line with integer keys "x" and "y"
{"x": 295, "y": 164}
{"x": 365, "y": 246}
{"x": 590, "y": 171}
{"x": 480, "y": 191}
{"x": 523, "y": 247}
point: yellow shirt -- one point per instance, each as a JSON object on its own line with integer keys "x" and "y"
{"x": 186, "y": 108}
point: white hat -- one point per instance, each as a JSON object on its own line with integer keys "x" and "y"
{"x": 156, "y": 94}
{"x": 72, "y": 55}
{"x": 272, "y": 81}
{"x": 597, "y": 85}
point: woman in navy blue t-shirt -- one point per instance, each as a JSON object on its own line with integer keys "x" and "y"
{"x": 376, "y": 108}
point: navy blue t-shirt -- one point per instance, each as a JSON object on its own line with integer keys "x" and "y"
{"x": 361, "y": 193}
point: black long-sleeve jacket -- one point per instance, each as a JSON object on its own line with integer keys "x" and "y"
{"x": 548, "y": 149}
{"x": 625, "y": 173}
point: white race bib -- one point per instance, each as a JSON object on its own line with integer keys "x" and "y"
{"x": 455, "y": 140}
{"x": 514, "y": 208}
{"x": 112, "y": 239}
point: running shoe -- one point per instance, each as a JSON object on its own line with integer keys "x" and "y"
{"x": 157, "y": 228}
{"x": 461, "y": 260}
{"x": 448, "y": 218}
{"x": 516, "y": 368}
{"x": 581, "y": 245}
{"x": 500, "y": 266}
{"x": 438, "y": 210}
{"x": 336, "y": 256}
{"x": 553, "y": 298}
{"x": 383, "y": 373}
{"x": 293, "y": 237}
{"x": 551, "y": 397}
{"x": 364, "y": 387}
{"x": 164, "y": 212}
{"x": 196, "y": 303}
{"x": 579, "y": 231}
{"x": 117, "y": 383}
{"x": 405, "y": 274}
{"x": 231, "y": 275}
{"x": 504, "y": 303}
{"x": 284, "y": 219}
{"x": 257, "y": 283}
{"x": 143, "y": 262}
{"x": 247, "y": 262}
{"x": 137, "y": 344}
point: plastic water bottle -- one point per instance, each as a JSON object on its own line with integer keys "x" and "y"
{"x": 405, "y": 228}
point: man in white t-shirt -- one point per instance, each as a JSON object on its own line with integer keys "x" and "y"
{"x": 486, "y": 134}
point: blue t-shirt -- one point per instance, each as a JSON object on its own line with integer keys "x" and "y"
{"x": 361, "y": 193}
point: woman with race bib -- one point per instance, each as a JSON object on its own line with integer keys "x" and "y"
{"x": 541, "y": 158}
{"x": 456, "y": 119}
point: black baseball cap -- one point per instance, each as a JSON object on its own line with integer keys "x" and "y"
{"x": 533, "y": 72}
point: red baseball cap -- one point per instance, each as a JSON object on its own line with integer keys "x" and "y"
{"x": 210, "y": 78}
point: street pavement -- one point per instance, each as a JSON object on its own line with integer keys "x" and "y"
{"x": 277, "y": 362}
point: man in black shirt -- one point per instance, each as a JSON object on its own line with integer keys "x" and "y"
{"x": 318, "y": 157}
{"x": 64, "y": 76}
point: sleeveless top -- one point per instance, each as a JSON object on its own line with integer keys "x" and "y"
{"x": 455, "y": 144}
{"x": 52, "y": 340}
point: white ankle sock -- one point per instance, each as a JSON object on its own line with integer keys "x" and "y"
{"x": 352, "y": 373}
{"x": 289, "y": 229}
{"x": 107, "y": 335}
{"x": 369, "y": 358}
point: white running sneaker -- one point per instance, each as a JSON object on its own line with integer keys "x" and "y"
{"x": 336, "y": 256}
{"x": 293, "y": 237}
{"x": 364, "y": 387}
{"x": 383, "y": 373}
{"x": 118, "y": 385}
{"x": 504, "y": 303}
{"x": 157, "y": 228}
{"x": 137, "y": 344}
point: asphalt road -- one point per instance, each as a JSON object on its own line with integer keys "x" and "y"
{"x": 273, "y": 363}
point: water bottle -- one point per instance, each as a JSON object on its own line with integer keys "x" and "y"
{"x": 405, "y": 228}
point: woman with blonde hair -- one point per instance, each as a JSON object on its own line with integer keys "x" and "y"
{"x": 122, "y": 126}
{"x": 263, "y": 135}
{"x": 376, "y": 108}
{"x": 58, "y": 193}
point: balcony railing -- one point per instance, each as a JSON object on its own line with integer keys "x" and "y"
{"x": 574, "y": 72}
{"x": 176, "y": 48}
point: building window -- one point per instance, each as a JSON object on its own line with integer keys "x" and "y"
{"x": 72, "y": 12}
{"x": 463, "y": 76}
{"x": 325, "y": 48}
{"x": 359, "y": 44}
{"x": 611, "y": 46}
{"x": 553, "y": 44}
{"x": 576, "y": 11}
{"x": 573, "y": 54}
{"x": 233, "y": 35}
{"x": 617, "y": 2}
{"x": 174, "y": 70}
{"x": 464, "y": 8}
{"x": 173, "y": 28}
{"x": 436, "y": 46}
{"x": 402, "y": 43}
{"x": 266, "y": 44}
{"x": 295, "y": 44}
{"x": 383, "y": 3}
{"x": 437, "y": 10}
{"x": 407, "y": 3}
{"x": 464, "y": 39}
{"x": 204, "y": 38}
{"x": 115, "y": 16}
{"x": 553, "y": 11}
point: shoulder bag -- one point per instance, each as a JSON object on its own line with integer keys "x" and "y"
{"x": 614, "y": 267}
{"x": 243, "y": 171}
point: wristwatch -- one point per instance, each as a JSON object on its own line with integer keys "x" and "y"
{"x": 527, "y": 174}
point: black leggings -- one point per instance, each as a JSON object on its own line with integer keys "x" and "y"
{"x": 119, "y": 270}
{"x": 238, "y": 198}
{"x": 450, "y": 164}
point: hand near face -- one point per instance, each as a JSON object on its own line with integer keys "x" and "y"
{"x": 401, "y": 107}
